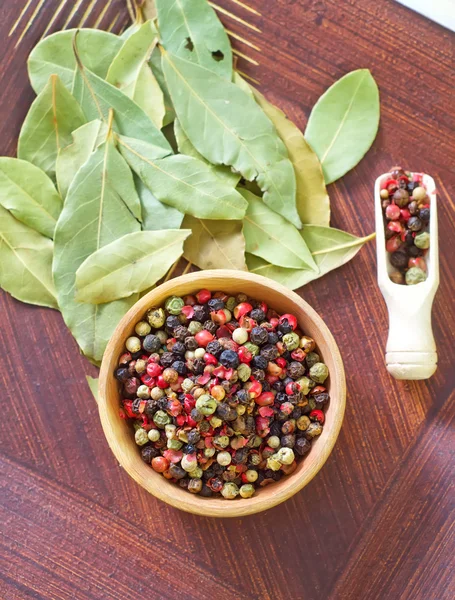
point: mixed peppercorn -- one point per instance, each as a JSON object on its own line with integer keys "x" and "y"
{"x": 406, "y": 208}
{"x": 225, "y": 394}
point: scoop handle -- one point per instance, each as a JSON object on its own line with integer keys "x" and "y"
{"x": 411, "y": 348}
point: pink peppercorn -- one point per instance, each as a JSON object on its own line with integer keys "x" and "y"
{"x": 265, "y": 399}
{"x": 242, "y": 309}
{"x": 393, "y": 244}
{"x": 392, "y": 212}
{"x": 203, "y": 296}
{"x": 204, "y": 337}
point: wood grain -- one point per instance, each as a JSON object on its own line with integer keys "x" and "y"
{"x": 377, "y": 521}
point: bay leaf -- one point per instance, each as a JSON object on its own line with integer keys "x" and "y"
{"x": 47, "y": 128}
{"x": 235, "y": 131}
{"x": 128, "y": 265}
{"x": 155, "y": 65}
{"x": 313, "y": 202}
{"x": 54, "y": 56}
{"x": 344, "y": 122}
{"x": 186, "y": 147}
{"x": 94, "y": 215}
{"x": 28, "y": 193}
{"x": 71, "y": 158}
{"x": 183, "y": 182}
{"x": 191, "y": 29}
{"x": 131, "y": 73}
{"x": 242, "y": 84}
{"x": 155, "y": 214}
{"x": 93, "y": 385}
{"x": 148, "y": 9}
{"x": 97, "y": 97}
{"x": 270, "y": 236}
{"x": 25, "y": 262}
{"x": 214, "y": 244}
{"x": 331, "y": 248}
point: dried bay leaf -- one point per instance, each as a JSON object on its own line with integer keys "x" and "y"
{"x": 155, "y": 65}
{"x": 155, "y": 214}
{"x": 25, "y": 262}
{"x": 270, "y": 236}
{"x": 94, "y": 215}
{"x": 48, "y": 126}
{"x": 71, "y": 158}
{"x": 191, "y": 29}
{"x": 214, "y": 244}
{"x": 313, "y": 202}
{"x": 344, "y": 122}
{"x": 183, "y": 182}
{"x": 128, "y": 265}
{"x": 28, "y": 193}
{"x": 54, "y": 55}
{"x": 331, "y": 248}
{"x": 186, "y": 147}
{"x": 131, "y": 73}
{"x": 97, "y": 97}
{"x": 236, "y": 132}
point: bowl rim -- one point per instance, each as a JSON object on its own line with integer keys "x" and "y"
{"x": 194, "y": 503}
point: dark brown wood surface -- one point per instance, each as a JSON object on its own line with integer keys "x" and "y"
{"x": 377, "y": 522}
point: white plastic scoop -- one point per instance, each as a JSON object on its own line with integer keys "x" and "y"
{"x": 411, "y": 349}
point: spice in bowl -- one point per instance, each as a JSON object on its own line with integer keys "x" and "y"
{"x": 406, "y": 210}
{"x": 225, "y": 395}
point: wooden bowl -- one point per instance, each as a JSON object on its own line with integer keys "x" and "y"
{"x": 119, "y": 432}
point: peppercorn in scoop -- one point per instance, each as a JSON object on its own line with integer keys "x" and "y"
{"x": 406, "y": 209}
{"x": 225, "y": 395}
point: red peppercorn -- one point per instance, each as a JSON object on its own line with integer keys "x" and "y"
{"x": 160, "y": 464}
{"x": 245, "y": 355}
{"x": 298, "y": 355}
{"x": 266, "y": 411}
{"x": 161, "y": 383}
{"x": 218, "y": 317}
{"x": 395, "y": 226}
{"x": 242, "y": 309}
{"x": 203, "y": 296}
{"x": 265, "y": 399}
{"x": 247, "y": 323}
{"x": 263, "y": 306}
{"x": 287, "y": 408}
{"x": 393, "y": 244}
{"x": 418, "y": 262}
{"x": 274, "y": 322}
{"x": 125, "y": 358}
{"x": 292, "y": 388}
{"x": 188, "y": 311}
{"x": 405, "y": 214}
{"x": 318, "y": 389}
{"x": 254, "y": 388}
{"x": 148, "y": 380}
{"x": 317, "y": 415}
{"x": 290, "y": 319}
{"x": 219, "y": 372}
{"x": 281, "y": 362}
{"x": 172, "y": 456}
{"x": 190, "y": 300}
{"x": 204, "y": 337}
{"x": 392, "y": 212}
{"x": 210, "y": 359}
{"x": 154, "y": 369}
{"x": 181, "y": 420}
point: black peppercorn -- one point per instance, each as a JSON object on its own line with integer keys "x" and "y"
{"x": 229, "y": 359}
{"x": 148, "y": 453}
{"x": 150, "y": 408}
{"x": 273, "y": 338}
{"x": 122, "y": 373}
{"x": 214, "y": 348}
{"x": 198, "y": 366}
{"x": 196, "y": 415}
{"x": 225, "y": 412}
{"x": 288, "y": 441}
{"x": 265, "y": 386}
{"x": 206, "y": 492}
{"x": 215, "y": 304}
{"x": 321, "y": 399}
{"x": 259, "y": 362}
{"x": 179, "y": 348}
{"x": 413, "y": 251}
{"x": 278, "y": 386}
{"x": 401, "y": 198}
{"x": 259, "y": 336}
{"x": 399, "y": 259}
{"x": 171, "y": 323}
{"x": 242, "y": 396}
{"x": 130, "y": 387}
{"x": 166, "y": 359}
{"x": 180, "y": 367}
{"x": 258, "y": 315}
{"x": 296, "y": 370}
{"x": 201, "y": 313}
{"x": 181, "y": 332}
{"x": 269, "y": 352}
{"x": 258, "y": 374}
{"x": 424, "y": 214}
{"x": 211, "y": 327}
{"x": 296, "y": 413}
{"x": 177, "y": 471}
{"x": 189, "y": 449}
{"x": 284, "y": 327}
{"x": 151, "y": 343}
{"x": 191, "y": 343}
{"x": 184, "y": 483}
{"x": 414, "y": 224}
{"x": 302, "y": 446}
{"x": 193, "y": 436}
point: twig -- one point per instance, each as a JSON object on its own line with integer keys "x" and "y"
{"x": 187, "y": 268}
{"x": 171, "y": 271}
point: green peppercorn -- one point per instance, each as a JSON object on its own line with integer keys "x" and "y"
{"x": 143, "y": 392}
{"x": 243, "y": 372}
{"x": 196, "y": 473}
{"x": 161, "y": 419}
{"x": 189, "y": 462}
{"x": 221, "y": 440}
{"x": 319, "y": 372}
{"x": 255, "y": 459}
{"x": 174, "y": 305}
{"x": 419, "y": 194}
{"x": 140, "y": 366}
{"x": 195, "y": 486}
{"x": 313, "y": 430}
{"x": 285, "y": 456}
{"x": 247, "y": 490}
{"x": 209, "y": 452}
{"x": 142, "y": 328}
{"x": 415, "y": 275}
{"x": 230, "y": 491}
{"x": 156, "y": 317}
{"x": 153, "y": 435}
{"x": 291, "y": 341}
{"x": 251, "y": 475}
{"x": 305, "y": 385}
{"x": 174, "y": 444}
{"x": 206, "y": 404}
{"x": 156, "y": 393}
{"x": 224, "y": 459}
{"x": 162, "y": 336}
{"x": 231, "y": 303}
{"x": 140, "y": 437}
{"x": 273, "y": 441}
{"x": 240, "y": 335}
{"x": 273, "y": 463}
{"x": 312, "y": 358}
{"x": 194, "y": 327}
{"x": 422, "y": 240}
{"x": 133, "y": 344}
{"x": 215, "y": 422}
{"x": 303, "y": 423}
{"x": 252, "y": 348}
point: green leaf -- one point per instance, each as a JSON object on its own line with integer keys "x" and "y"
{"x": 54, "y": 56}
{"x": 215, "y": 244}
{"x": 183, "y": 182}
{"x": 71, "y": 158}
{"x": 155, "y": 214}
{"x": 25, "y": 262}
{"x": 227, "y": 127}
{"x": 29, "y": 194}
{"x": 155, "y": 65}
{"x": 131, "y": 73}
{"x": 94, "y": 215}
{"x": 191, "y": 29}
{"x": 313, "y": 202}
{"x": 93, "y": 385}
{"x": 47, "y": 128}
{"x": 128, "y": 265}
{"x": 344, "y": 122}
{"x": 331, "y": 248}
{"x": 97, "y": 98}
{"x": 270, "y": 236}
{"x": 186, "y": 147}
